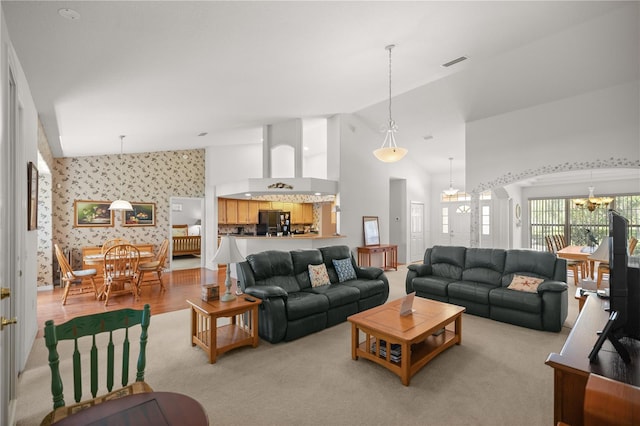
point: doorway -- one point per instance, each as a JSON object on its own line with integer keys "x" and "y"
{"x": 188, "y": 212}
{"x": 416, "y": 250}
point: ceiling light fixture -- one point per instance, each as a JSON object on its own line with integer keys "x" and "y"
{"x": 390, "y": 152}
{"x": 121, "y": 204}
{"x": 451, "y": 191}
{"x": 69, "y": 14}
{"x": 592, "y": 202}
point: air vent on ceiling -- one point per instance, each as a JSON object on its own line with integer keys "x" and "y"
{"x": 455, "y": 61}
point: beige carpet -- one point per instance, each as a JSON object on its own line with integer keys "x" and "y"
{"x": 497, "y": 376}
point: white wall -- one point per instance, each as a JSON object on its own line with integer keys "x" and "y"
{"x": 365, "y": 185}
{"x": 227, "y": 163}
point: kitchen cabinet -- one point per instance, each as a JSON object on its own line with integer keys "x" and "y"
{"x": 243, "y": 212}
{"x": 264, "y": 205}
{"x": 254, "y": 207}
{"x": 307, "y": 213}
{"x": 222, "y": 211}
{"x": 296, "y": 214}
{"x": 232, "y": 212}
{"x": 276, "y": 205}
{"x": 287, "y": 207}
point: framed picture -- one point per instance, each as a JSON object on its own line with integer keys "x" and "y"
{"x": 371, "y": 230}
{"x": 32, "y": 190}
{"x": 143, "y": 214}
{"x": 89, "y": 213}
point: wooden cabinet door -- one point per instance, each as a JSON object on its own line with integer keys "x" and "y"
{"x": 232, "y": 212}
{"x": 287, "y": 207}
{"x": 243, "y": 211}
{"x": 254, "y": 207}
{"x": 265, "y": 205}
{"x": 307, "y": 213}
{"x": 296, "y": 214}
{"x": 276, "y": 205}
{"x": 222, "y": 211}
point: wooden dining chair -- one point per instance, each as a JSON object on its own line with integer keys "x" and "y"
{"x": 154, "y": 268}
{"x": 120, "y": 271}
{"x": 558, "y": 242}
{"x": 603, "y": 267}
{"x": 69, "y": 277}
{"x": 113, "y": 242}
{"x": 88, "y": 332}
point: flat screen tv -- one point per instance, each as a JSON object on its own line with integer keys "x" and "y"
{"x": 624, "y": 290}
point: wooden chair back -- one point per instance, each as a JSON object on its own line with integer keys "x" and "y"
{"x": 155, "y": 267}
{"x": 113, "y": 242}
{"x": 550, "y": 244}
{"x": 120, "y": 271}
{"x": 93, "y": 325}
{"x": 559, "y": 241}
{"x": 69, "y": 276}
{"x": 633, "y": 242}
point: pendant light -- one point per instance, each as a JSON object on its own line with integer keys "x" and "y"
{"x": 390, "y": 152}
{"x": 451, "y": 191}
{"x": 121, "y": 204}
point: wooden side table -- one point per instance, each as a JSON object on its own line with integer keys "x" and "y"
{"x": 389, "y": 252}
{"x": 216, "y": 340}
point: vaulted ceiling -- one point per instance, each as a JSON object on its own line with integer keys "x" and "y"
{"x": 163, "y": 72}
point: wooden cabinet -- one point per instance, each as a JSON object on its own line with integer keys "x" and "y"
{"x": 296, "y": 214}
{"x": 232, "y": 212}
{"x": 287, "y": 207}
{"x": 276, "y": 205}
{"x": 243, "y": 212}
{"x": 222, "y": 211}
{"x": 307, "y": 213}
{"x": 254, "y": 207}
{"x": 264, "y": 205}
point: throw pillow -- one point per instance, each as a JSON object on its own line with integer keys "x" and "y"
{"x": 524, "y": 283}
{"x": 344, "y": 269}
{"x": 318, "y": 275}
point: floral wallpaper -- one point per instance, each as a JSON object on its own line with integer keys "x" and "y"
{"x": 45, "y": 272}
{"x": 151, "y": 177}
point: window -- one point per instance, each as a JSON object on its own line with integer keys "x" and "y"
{"x": 445, "y": 220}
{"x": 562, "y": 216}
{"x": 486, "y": 220}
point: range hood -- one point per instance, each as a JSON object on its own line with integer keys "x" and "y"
{"x": 280, "y": 189}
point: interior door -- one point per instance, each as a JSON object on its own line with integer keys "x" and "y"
{"x": 417, "y": 232}
{"x": 460, "y": 229}
{"x": 8, "y": 237}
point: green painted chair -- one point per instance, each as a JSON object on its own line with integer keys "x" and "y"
{"x": 90, "y": 327}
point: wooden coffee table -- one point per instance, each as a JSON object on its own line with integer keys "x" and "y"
{"x": 416, "y": 335}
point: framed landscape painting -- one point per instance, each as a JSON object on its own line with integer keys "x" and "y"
{"x": 143, "y": 214}
{"x": 88, "y": 213}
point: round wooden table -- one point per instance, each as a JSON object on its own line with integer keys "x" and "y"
{"x": 142, "y": 409}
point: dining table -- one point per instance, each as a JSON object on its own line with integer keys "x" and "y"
{"x": 141, "y": 409}
{"x": 582, "y": 253}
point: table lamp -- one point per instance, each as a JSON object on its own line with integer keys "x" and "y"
{"x": 228, "y": 253}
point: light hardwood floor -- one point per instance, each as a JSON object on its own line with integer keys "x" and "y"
{"x": 181, "y": 285}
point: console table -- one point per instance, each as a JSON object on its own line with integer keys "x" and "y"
{"x": 572, "y": 367}
{"x": 389, "y": 252}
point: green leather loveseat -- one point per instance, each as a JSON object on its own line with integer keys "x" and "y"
{"x": 291, "y": 307}
{"x": 479, "y": 279}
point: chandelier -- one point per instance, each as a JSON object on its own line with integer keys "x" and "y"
{"x": 592, "y": 202}
{"x": 390, "y": 152}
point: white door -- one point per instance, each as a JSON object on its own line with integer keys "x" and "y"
{"x": 417, "y": 232}
{"x": 8, "y": 146}
{"x": 460, "y": 224}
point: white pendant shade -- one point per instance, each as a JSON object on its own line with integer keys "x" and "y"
{"x": 451, "y": 191}
{"x": 390, "y": 154}
{"x": 120, "y": 205}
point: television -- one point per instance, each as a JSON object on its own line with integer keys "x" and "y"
{"x": 624, "y": 290}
